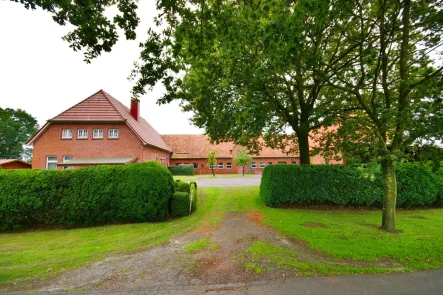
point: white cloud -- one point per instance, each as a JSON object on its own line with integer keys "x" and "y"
{"x": 42, "y": 75}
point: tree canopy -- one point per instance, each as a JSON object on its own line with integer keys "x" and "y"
{"x": 257, "y": 61}
{"x": 16, "y": 127}
{"x": 242, "y": 159}
{"x": 94, "y": 32}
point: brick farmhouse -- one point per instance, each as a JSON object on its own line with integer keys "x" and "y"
{"x": 101, "y": 130}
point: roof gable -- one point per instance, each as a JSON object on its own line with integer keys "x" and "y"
{"x": 102, "y": 107}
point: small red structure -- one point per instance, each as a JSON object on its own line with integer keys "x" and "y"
{"x": 14, "y": 164}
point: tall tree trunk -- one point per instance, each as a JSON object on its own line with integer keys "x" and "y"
{"x": 213, "y": 172}
{"x": 390, "y": 197}
{"x": 303, "y": 146}
{"x": 243, "y": 170}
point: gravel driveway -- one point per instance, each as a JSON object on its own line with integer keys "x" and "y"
{"x": 230, "y": 182}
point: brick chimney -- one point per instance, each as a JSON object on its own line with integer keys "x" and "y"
{"x": 135, "y": 108}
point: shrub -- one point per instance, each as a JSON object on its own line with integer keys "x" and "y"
{"x": 182, "y": 170}
{"x": 184, "y": 187}
{"x": 84, "y": 197}
{"x": 179, "y": 204}
{"x": 193, "y": 183}
{"x": 194, "y": 196}
{"x": 346, "y": 185}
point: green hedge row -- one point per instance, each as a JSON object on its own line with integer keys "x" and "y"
{"x": 182, "y": 170}
{"x": 84, "y": 197}
{"x": 347, "y": 185}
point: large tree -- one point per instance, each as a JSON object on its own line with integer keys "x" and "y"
{"x": 249, "y": 69}
{"x": 395, "y": 79}
{"x": 16, "y": 127}
{"x": 94, "y": 31}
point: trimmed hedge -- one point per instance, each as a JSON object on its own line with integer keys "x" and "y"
{"x": 182, "y": 170}
{"x": 347, "y": 185}
{"x": 84, "y": 197}
{"x": 184, "y": 187}
{"x": 179, "y": 205}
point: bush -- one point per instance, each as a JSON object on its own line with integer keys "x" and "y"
{"x": 184, "y": 187}
{"x": 179, "y": 204}
{"x": 193, "y": 183}
{"x": 84, "y": 197}
{"x": 182, "y": 170}
{"x": 346, "y": 185}
{"x": 194, "y": 196}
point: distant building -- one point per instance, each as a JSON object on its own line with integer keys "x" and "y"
{"x": 14, "y": 164}
{"x": 193, "y": 150}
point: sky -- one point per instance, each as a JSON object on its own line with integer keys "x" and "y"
{"x": 40, "y": 74}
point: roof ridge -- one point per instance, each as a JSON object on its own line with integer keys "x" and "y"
{"x": 108, "y": 96}
{"x": 74, "y": 105}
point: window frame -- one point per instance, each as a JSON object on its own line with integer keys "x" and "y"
{"x": 93, "y": 133}
{"x": 82, "y": 130}
{"x": 253, "y": 164}
{"x": 229, "y": 165}
{"x": 220, "y": 165}
{"x": 262, "y": 165}
{"x": 51, "y": 162}
{"x": 63, "y": 134}
{"x": 111, "y": 131}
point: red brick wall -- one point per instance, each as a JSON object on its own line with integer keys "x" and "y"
{"x": 235, "y": 169}
{"x": 15, "y": 165}
{"x": 50, "y": 143}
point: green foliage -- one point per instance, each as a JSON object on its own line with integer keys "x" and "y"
{"x": 242, "y": 159}
{"x": 212, "y": 160}
{"x": 94, "y": 30}
{"x": 84, "y": 197}
{"x": 346, "y": 185}
{"x": 184, "y": 187}
{"x": 182, "y": 170}
{"x": 179, "y": 204}
{"x": 16, "y": 127}
{"x": 194, "y": 196}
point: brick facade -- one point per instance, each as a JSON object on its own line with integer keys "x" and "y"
{"x": 51, "y": 143}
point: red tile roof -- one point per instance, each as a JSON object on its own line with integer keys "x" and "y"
{"x": 197, "y": 147}
{"x": 4, "y": 161}
{"x": 102, "y": 107}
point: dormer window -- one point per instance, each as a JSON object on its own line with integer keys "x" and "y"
{"x": 66, "y": 133}
{"x": 82, "y": 133}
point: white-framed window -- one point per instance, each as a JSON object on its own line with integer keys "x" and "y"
{"x": 228, "y": 165}
{"x": 254, "y": 165}
{"x": 66, "y": 133}
{"x": 262, "y": 164}
{"x": 68, "y": 158}
{"x": 82, "y": 133}
{"x": 97, "y": 133}
{"x": 221, "y": 165}
{"x": 51, "y": 162}
{"x": 212, "y": 166}
{"x": 113, "y": 133}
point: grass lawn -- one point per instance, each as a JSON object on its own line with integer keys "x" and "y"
{"x": 345, "y": 235}
{"x": 195, "y": 177}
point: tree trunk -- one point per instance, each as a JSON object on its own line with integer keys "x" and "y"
{"x": 213, "y": 173}
{"x": 390, "y": 196}
{"x": 243, "y": 170}
{"x": 303, "y": 146}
